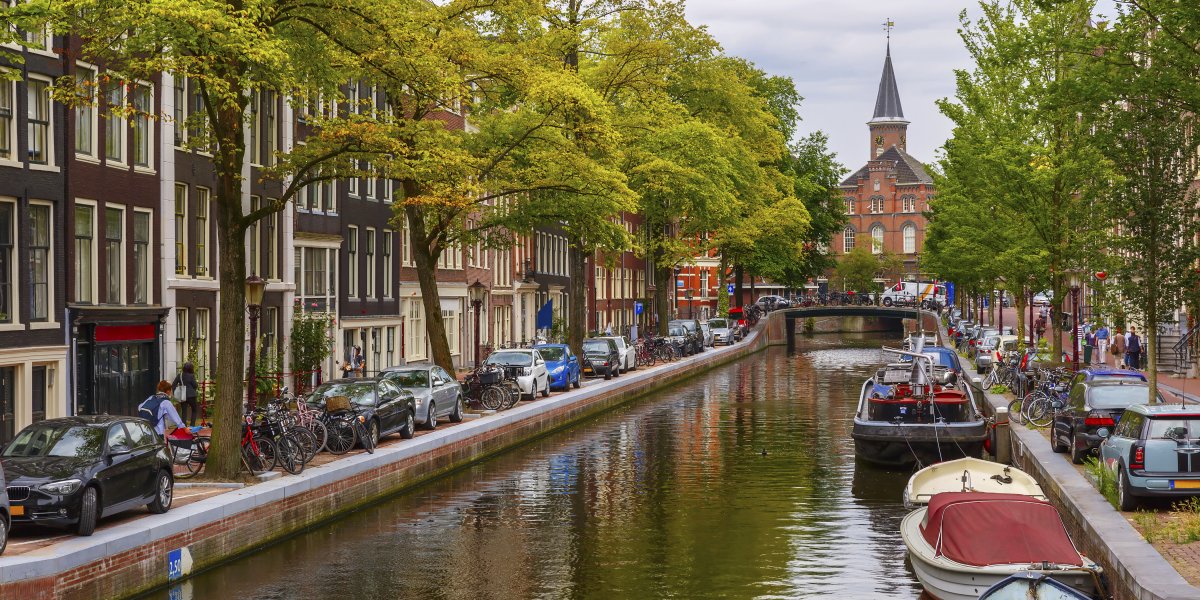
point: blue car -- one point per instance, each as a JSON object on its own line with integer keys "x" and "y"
{"x": 562, "y": 365}
{"x": 1154, "y": 451}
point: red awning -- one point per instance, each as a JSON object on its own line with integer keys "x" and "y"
{"x": 993, "y": 529}
{"x": 124, "y": 333}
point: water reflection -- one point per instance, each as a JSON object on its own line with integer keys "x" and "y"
{"x": 738, "y": 484}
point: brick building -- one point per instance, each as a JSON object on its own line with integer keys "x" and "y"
{"x": 886, "y": 198}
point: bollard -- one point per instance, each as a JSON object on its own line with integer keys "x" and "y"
{"x": 1001, "y": 445}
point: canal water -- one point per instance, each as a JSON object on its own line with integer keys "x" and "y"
{"x": 740, "y": 483}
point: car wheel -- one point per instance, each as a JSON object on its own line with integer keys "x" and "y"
{"x": 89, "y": 511}
{"x": 616, "y": 370}
{"x": 1054, "y": 443}
{"x": 887, "y": 302}
{"x": 546, "y": 390}
{"x": 373, "y": 431}
{"x": 164, "y": 492}
{"x": 1125, "y": 498}
{"x": 1077, "y": 453}
{"x": 576, "y": 384}
{"x": 431, "y": 419}
{"x": 410, "y": 426}
{"x": 3, "y": 535}
{"x": 608, "y": 374}
{"x": 457, "y": 415}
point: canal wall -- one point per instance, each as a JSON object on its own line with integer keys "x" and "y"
{"x": 153, "y": 551}
{"x": 1135, "y": 569}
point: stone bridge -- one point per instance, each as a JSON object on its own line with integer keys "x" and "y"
{"x": 781, "y": 324}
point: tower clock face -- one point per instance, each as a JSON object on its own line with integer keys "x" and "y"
{"x": 879, "y": 140}
{"x": 902, "y": 139}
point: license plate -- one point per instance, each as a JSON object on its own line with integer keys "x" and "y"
{"x": 1187, "y": 484}
{"x": 17, "y": 510}
{"x": 587, "y": 370}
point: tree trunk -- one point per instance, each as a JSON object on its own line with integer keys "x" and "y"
{"x": 426, "y": 256}
{"x": 1019, "y": 302}
{"x": 738, "y": 273}
{"x": 662, "y": 294}
{"x": 577, "y": 326}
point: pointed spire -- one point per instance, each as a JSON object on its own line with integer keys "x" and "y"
{"x": 887, "y": 101}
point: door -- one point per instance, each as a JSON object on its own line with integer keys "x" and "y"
{"x": 39, "y": 393}
{"x": 145, "y": 445}
{"x": 125, "y": 374}
{"x": 118, "y": 480}
{"x": 387, "y": 405}
{"x": 8, "y": 419}
{"x": 445, "y": 393}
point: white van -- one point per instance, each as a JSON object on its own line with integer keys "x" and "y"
{"x": 914, "y": 293}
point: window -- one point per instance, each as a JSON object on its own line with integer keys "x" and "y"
{"x": 85, "y": 112}
{"x": 352, "y": 262}
{"x": 271, "y": 250}
{"x": 388, "y": 267}
{"x": 201, "y": 344}
{"x": 910, "y": 238}
{"x": 114, "y": 255}
{"x": 181, "y": 253}
{"x": 909, "y": 203}
{"x": 877, "y": 239}
{"x": 39, "y": 120}
{"x": 876, "y": 204}
{"x": 390, "y": 336}
{"x": 253, "y": 243}
{"x": 850, "y": 200}
{"x": 453, "y": 332}
{"x": 181, "y": 335}
{"x": 143, "y": 131}
{"x": 353, "y": 181}
{"x": 202, "y": 232}
{"x": 255, "y": 122}
{"x": 369, "y": 242}
{"x": 39, "y": 262}
{"x": 414, "y": 331}
{"x": 114, "y": 123}
{"x": 272, "y": 130}
{"x": 704, "y": 282}
{"x": 405, "y": 246}
{"x": 270, "y": 331}
{"x": 141, "y": 257}
{"x": 848, "y": 239}
{"x": 370, "y": 182}
{"x": 6, "y": 120}
{"x": 179, "y": 109}
{"x": 7, "y": 222}
{"x": 85, "y": 254}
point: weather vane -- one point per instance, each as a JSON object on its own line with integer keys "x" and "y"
{"x": 888, "y": 25}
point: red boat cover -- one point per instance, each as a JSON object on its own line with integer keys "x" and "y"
{"x": 980, "y": 529}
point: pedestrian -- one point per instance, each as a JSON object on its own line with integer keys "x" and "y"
{"x": 1102, "y": 335}
{"x": 158, "y": 408}
{"x": 185, "y": 390}
{"x": 1041, "y": 327}
{"x": 1089, "y": 344}
{"x": 1133, "y": 350}
{"x": 358, "y": 364}
{"x": 608, "y": 329}
{"x": 1118, "y": 348}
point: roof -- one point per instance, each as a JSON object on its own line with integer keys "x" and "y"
{"x": 981, "y": 529}
{"x": 86, "y": 420}
{"x": 887, "y": 100}
{"x": 1089, "y": 374}
{"x": 908, "y": 169}
{"x": 1164, "y": 410}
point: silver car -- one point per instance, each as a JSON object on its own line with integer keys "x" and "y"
{"x": 706, "y": 331}
{"x": 436, "y": 392}
{"x": 626, "y": 350}
{"x": 724, "y": 331}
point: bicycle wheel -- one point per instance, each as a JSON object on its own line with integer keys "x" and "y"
{"x": 290, "y": 455}
{"x": 514, "y": 395}
{"x": 1039, "y": 412}
{"x": 259, "y": 456}
{"x": 320, "y": 432}
{"x": 1014, "y": 411}
{"x": 341, "y": 437}
{"x": 493, "y": 397}
{"x": 364, "y": 438}
{"x": 195, "y": 459}
{"x": 307, "y": 441}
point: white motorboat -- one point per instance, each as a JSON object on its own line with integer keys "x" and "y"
{"x": 963, "y": 543}
{"x": 968, "y": 475}
{"x": 1031, "y": 586}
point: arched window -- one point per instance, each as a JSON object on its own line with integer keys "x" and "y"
{"x": 909, "y": 203}
{"x": 850, "y": 201}
{"x": 876, "y": 204}
{"x": 909, "y": 232}
{"x": 877, "y": 239}
{"x": 848, "y": 239}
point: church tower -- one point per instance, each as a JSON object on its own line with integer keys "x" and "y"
{"x": 888, "y": 126}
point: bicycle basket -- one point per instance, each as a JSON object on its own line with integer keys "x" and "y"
{"x": 491, "y": 377}
{"x": 337, "y": 403}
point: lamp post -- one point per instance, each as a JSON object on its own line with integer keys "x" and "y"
{"x": 1075, "y": 285}
{"x": 1029, "y": 324}
{"x": 1000, "y": 304}
{"x": 477, "y": 291}
{"x": 688, "y": 295}
{"x": 255, "y": 286}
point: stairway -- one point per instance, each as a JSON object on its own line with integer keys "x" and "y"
{"x": 1168, "y": 359}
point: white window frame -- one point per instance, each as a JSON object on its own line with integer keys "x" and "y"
{"x": 51, "y": 315}
{"x": 851, "y": 234}
{"x": 91, "y": 119}
{"x": 906, "y": 229}
{"x": 49, "y": 164}
{"x": 122, "y": 126}
{"x": 182, "y": 268}
{"x": 878, "y": 237}
{"x": 272, "y": 244}
{"x": 179, "y": 110}
{"x": 388, "y": 264}
{"x": 122, "y": 255}
{"x": 254, "y": 243}
{"x": 13, "y": 159}
{"x": 369, "y": 243}
{"x": 150, "y": 138}
{"x": 414, "y": 330}
{"x": 203, "y": 233}
{"x": 93, "y": 285}
{"x": 149, "y": 270}
{"x": 352, "y": 242}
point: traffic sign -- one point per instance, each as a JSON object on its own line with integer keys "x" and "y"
{"x": 637, "y": 308}
{"x": 729, "y": 289}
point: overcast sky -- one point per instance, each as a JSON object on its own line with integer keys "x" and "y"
{"x": 834, "y": 49}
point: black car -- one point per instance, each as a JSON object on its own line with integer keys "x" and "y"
{"x": 695, "y": 337}
{"x": 601, "y": 357}
{"x": 75, "y": 470}
{"x": 387, "y": 407}
{"x": 5, "y": 513}
{"x": 1094, "y": 405}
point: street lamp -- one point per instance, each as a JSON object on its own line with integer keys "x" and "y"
{"x": 477, "y": 291}
{"x": 1000, "y": 304}
{"x": 688, "y": 294}
{"x": 255, "y": 286}
{"x": 1073, "y": 280}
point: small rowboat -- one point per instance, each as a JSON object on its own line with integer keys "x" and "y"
{"x": 968, "y": 475}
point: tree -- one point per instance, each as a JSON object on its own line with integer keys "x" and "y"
{"x": 856, "y": 270}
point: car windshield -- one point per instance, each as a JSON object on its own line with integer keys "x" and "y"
{"x": 1174, "y": 429}
{"x": 991, "y": 342}
{"x": 676, "y": 331}
{"x": 361, "y": 393}
{"x": 688, "y": 325}
{"x": 510, "y": 359}
{"x": 58, "y": 440}
{"x": 594, "y": 346}
{"x": 717, "y": 323}
{"x": 552, "y": 352}
{"x": 1117, "y": 396}
{"x": 414, "y": 378}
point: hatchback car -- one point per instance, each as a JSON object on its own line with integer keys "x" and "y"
{"x": 707, "y": 334}
{"x": 628, "y": 354}
{"x": 386, "y": 407}
{"x": 1107, "y": 374}
{"x": 564, "y": 367}
{"x": 601, "y": 357}
{"x": 695, "y": 339}
{"x": 436, "y": 394}
{"x": 976, "y": 340}
{"x": 993, "y": 349}
{"x": 1154, "y": 451}
{"x": 724, "y": 332}
{"x": 75, "y": 471}
{"x": 1091, "y": 406}
{"x": 527, "y": 366}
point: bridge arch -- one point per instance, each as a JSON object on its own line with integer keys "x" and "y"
{"x": 781, "y": 324}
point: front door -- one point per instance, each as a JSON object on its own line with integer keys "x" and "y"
{"x": 125, "y": 375}
{"x": 39, "y": 394}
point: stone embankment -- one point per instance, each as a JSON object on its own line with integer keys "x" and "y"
{"x": 154, "y": 550}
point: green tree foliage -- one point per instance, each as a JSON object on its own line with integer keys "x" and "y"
{"x": 857, "y": 269}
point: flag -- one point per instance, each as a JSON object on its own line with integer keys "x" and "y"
{"x": 545, "y": 315}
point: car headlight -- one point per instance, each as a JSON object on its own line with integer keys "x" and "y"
{"x": 557, "y": 370}
{"x": 527, "y": 371}
{"x": 62, "y": 488}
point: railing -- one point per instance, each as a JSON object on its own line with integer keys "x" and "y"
{"x": 1186, "y": 347}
